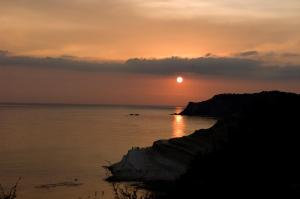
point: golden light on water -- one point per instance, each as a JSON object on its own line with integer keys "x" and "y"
{"x": 178, "y": 124}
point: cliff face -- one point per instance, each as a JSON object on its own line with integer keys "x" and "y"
{"x": 228, "y": 104}
{"x": 165, "y": 160}
{"x": 256, "y": 142}
{"x": 260, "y": 154}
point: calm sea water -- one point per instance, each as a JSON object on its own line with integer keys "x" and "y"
{"x": 53, "y": 144}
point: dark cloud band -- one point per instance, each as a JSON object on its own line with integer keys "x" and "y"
{"x": 239, "y": 66}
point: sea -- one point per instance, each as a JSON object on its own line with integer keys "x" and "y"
{"x": 58, "y": 151}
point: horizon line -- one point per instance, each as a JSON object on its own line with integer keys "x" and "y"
{"x": 85, "y": 104}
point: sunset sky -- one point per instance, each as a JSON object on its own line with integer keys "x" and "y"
{"x": 131, "y": 51}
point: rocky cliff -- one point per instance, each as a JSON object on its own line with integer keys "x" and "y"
{"x": 165, "y": 160}
{"x": 223, "y": 105}
{"x": 256, "y": 139}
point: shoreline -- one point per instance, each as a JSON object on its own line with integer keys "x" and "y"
{"x": 247, "y": 133}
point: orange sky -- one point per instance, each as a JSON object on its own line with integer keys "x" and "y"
{"x": 56, "y": 86}
{"x": 121, "y": 29}
{"x": 124, "y": 29}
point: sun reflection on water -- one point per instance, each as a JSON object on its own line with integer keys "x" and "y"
{"x": 178, "y": 124}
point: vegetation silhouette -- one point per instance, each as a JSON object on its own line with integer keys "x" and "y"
{"x": 11, "y": 194}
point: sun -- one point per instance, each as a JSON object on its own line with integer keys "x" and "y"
{"x": 179, "y": 80}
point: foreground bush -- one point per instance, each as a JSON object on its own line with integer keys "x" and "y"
{"x": 11, "y": 194}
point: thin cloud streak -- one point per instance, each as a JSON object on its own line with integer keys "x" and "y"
{"x": 244, "y": 65}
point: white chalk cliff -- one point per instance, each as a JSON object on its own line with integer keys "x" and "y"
{"x": 166, "y": 160}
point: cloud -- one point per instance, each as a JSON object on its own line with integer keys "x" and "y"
{"x": 248, "y": 53}
{"x": 121, "y": 29}
{"x": 202, "y": 65}
{"x": 3, "y": 52}
{"x": 243, "y": 65}
{"x": 291, "y": 55}
{"x": 224, "y": 8}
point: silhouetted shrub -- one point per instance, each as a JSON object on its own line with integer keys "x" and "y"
{"x": 130, "y": 192}
{"x": 11, "y": 194}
